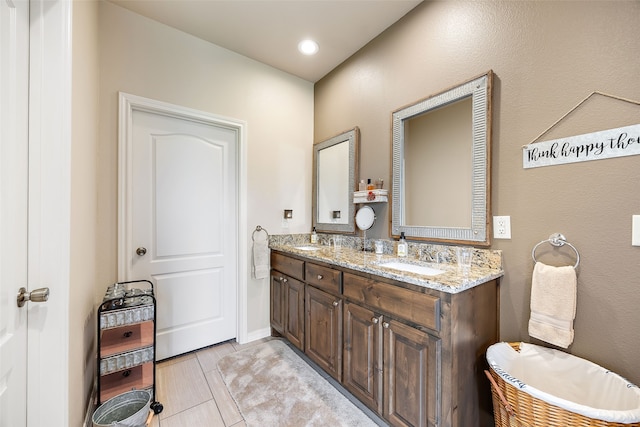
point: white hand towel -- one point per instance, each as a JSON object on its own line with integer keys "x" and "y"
{"x": 553, "y": 304}
{"x": 261, "y": 258}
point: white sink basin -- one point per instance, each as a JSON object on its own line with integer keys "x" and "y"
{"x": 307, "y": 248}
{"x": 412, "y": 268}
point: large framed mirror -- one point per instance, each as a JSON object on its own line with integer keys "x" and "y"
{"x": 335, "y": 168}
{"x": 441, "y": 165}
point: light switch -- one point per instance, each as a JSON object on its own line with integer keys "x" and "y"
{"x": 635, "y": 230}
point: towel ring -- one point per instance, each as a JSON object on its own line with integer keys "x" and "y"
{"x": 556, "y": 240}
{"x": 257, "y": 230}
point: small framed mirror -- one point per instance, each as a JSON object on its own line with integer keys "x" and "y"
{"x": 335, "y": 168}
{"x": 441, "y": 165}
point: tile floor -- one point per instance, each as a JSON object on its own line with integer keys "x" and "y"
{"x": 193, "y": 393}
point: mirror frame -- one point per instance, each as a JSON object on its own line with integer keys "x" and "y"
{"x": 353, "y": 138}
{"x": 478, "y": 233}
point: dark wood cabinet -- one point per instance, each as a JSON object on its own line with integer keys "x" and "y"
{"x": 440, "y": 338}
{"x": 412, "y": 354}
{"x": 410, "y": 376}
{"x": 363, "y": 362}
{"x": 391, "y": 367}
{"x": 287, "y": 308}
{"x": 287, "y": 298}
{"x": 277, "y": 312}
{"x": 294, "y": 326}
{"x": 323, "y": 335}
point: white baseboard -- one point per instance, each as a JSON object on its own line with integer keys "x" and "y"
{"x": 91, "y": 406}
{"x": 259, "y": 334}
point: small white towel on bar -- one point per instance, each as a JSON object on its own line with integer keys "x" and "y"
{"x": 261, "y": 258}
{"x": 553, "y": 304}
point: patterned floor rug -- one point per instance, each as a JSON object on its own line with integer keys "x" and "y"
{"x": 273, "y": 386}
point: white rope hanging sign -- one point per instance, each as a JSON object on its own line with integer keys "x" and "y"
{"x": 618, "y": 142}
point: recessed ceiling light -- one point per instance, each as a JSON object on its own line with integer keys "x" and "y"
{"x": 308, "y": 47}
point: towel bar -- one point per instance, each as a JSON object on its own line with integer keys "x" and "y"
{"x": 257, "y": 230}
{"x": 557, "y": 240}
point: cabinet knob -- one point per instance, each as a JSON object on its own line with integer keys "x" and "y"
{"x": 141, "y": 251}
{"x": 319, "y": 276}
{"x": 335, "y": 303}
{"x": 285, "y": 280}
{"x": 385, "y": 325}
{"x": 374, "y": 320}
{"x": 281, "y": 278}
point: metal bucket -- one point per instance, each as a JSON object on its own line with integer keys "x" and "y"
{"x": 129, "y": 409}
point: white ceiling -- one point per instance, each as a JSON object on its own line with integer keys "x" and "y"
{"x": 269, "y": 31}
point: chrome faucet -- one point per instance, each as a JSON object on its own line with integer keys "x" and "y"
{"x": 439, "y": 257}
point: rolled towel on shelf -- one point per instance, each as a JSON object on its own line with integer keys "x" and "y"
{"x": 553, "y": 304}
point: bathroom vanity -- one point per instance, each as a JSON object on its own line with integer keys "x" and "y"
{"x": 411, "y": 347}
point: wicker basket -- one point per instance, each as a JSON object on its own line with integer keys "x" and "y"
{"x": 515, "y": 408}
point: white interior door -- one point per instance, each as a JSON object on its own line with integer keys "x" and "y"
{"x": 184, "y": 227}
{"x": 14, "y": 56}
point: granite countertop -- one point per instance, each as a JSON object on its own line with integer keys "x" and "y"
{"x": 485, "y": 266}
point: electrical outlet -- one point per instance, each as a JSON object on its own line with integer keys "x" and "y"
{"x": 502, "y": 227}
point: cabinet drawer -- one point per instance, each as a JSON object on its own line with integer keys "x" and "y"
{"x": 323, "y": 277}
{"x": 140, "y": 377}
{"x": 415, "y": 307}
{"x": 289, "y": 266}
{"x": 126, "y": 338}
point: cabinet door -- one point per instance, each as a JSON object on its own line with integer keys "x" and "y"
{"x": 278, "y": 295}
{"x": 323, "y": 334}
{"x": 410, "y": 376}
{"x": 294, "y": 316}
{"x": 362, "y": 374}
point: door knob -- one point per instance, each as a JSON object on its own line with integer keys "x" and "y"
{"x": 141, "y": 251}
{"x": 38, "y": 295}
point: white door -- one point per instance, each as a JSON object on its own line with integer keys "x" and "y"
{"x": 14, "y": 56}
{"x": 184, "y": 227}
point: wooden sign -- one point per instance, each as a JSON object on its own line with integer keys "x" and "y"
{"x": 624, "y": 141}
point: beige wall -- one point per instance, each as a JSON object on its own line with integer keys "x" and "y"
{"x": 142, "y": 57}
{"x": 84, "y": 145}
{"x": 115, "y": 50}
{"x": 547, "y": 56}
